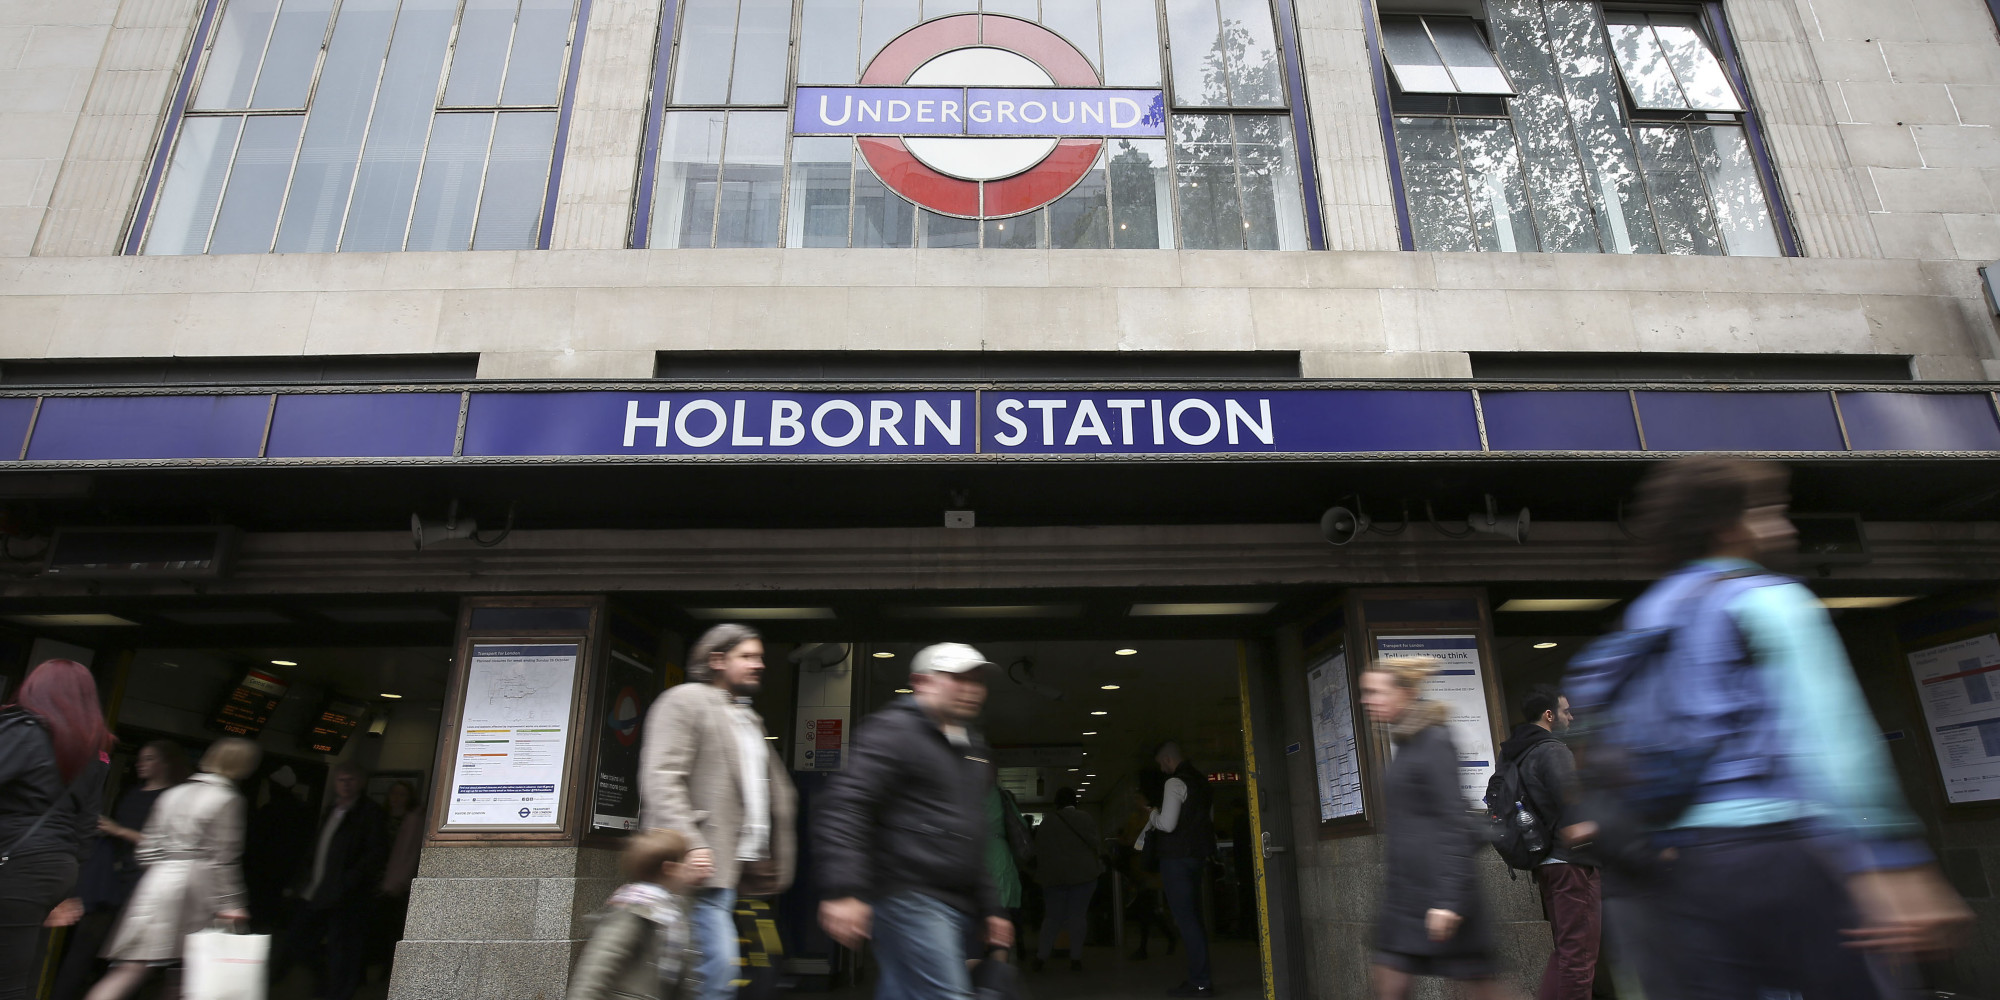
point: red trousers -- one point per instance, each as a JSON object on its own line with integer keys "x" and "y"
{"x": 1570, "y": 894}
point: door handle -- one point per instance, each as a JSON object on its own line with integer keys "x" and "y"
{"x": 1271, "y": 850}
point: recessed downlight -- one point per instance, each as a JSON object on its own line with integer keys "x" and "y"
{"x": 1100, "y": 712}
{"x": 1109, "y": 687}
{"x": 389, "y": 694}
{"x": 284, "y": 663}
{"x": 883, "y": 654}
{"x": 1127, "y": 651}
{"x": 1091, "y": 733}
{"x": 905, "y": 691}
{"x": 1545, "y": 645}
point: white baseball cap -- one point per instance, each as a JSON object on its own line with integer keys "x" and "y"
{"x": 948, "y": 658}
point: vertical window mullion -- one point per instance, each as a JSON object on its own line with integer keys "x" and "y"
{"x": 506, "y": 62}
{"x": 1687, "y": 102}
{"x": 485, "y": 164}
{"x": 262, "y": 53}
{"x": 721, "y": 171}
{"x": 361, "y": 149}
{"x": 222, "y": 191}
{"x": 1425, "y": 23}
{"x": 1465, "y": 185}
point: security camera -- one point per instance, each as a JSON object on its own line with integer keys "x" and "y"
{"x": 1514, "y": 526}
{"x": 1340, "y": 525}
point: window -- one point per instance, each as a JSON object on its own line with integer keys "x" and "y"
{"x": 1594, "y": 131}
{"x": 725, "y": 169}
{"x": 318, "y": 125}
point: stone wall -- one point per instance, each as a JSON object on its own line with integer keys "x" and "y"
{"x": 499, "y": 923}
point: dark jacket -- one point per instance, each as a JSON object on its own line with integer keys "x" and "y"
{"x": 908, "y": 814}
{"x": 1193, "y": 835}
{"x": 1548, "y": 777}
{"x": 354, "y": 857}
{"x": 1428, "y": 838}
{"x": 30, "y": 783}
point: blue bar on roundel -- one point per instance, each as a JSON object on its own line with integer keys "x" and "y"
{"x": 879, "y": 111}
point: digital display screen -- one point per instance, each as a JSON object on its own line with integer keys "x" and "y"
{"x": 335, "y": 724}
{"x": 248, "y": 708}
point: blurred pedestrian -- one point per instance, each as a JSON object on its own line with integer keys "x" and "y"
{"x": 1069, "y": 858}
{"x": 1185, "y": 826}
{"x": 1147, "y": 907}
{"x": 1792, "y": 852}
{"x": 112, "y": 870}
{"x": 902, "y": 834}
{"x": 708, "y": 772}
{"x": 1431, "y": 922}
{"x": 276, "y": 851}
{"x": 52, "y": 766}
{"x": 1010, "y": 850}
{"x": 192, "y": 853}
{"x": 338, "y": 903}
{"x": 641, "y": 947}
{"x": 405, "y": 829}
{"x": 1568, "y": 878}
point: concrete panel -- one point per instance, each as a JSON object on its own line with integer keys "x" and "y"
{"x": 1318, "y": 319}
{"x": 1972, "y": 237}
{"x": 1385, "y": 364}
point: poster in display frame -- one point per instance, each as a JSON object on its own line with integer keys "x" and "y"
{"x": 629, "y": 688}
{"x": 1953, "y": 676}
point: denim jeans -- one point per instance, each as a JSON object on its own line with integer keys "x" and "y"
{"x": 1067, "y": 909}
{"x": 920, "y": 944}
{"x": 1181, "y": 879}
{"x": 715, "y": 942}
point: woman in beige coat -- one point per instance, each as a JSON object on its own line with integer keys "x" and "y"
{"x": 192, "y": 855}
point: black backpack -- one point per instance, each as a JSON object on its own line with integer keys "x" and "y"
{"x": 1518, "y": 833}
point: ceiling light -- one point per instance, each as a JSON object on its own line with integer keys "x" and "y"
{"x": 1100, "y": 712}
{"x": 989, "y": 611}
{"x": 228, "y": 616}
{"x": 387, "y": 694}
{"x": 1109, "y": 687}
{"x": 1091, "y": 733}
{"x": 1090, "y": 776}
{"x": 714, "y": 614}
{"x": 884, "y": 655}
{"x": 1558, "y": 604}
{"x": 770, "y": 737}
{"x": 1125, "y": 652}
{"x": 1545, "y": 645}
{"x": 284, "y": 663}
{"x": 1863, "y": 603}
{"x": 69, "y": 621}
{"x": 906, "y": 691}
{"x": 1073, "y": 770}
{"x": 1211, "y": 608}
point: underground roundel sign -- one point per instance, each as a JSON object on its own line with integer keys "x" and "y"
{"x": 980, "y": 115}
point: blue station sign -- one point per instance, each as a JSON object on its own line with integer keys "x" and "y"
{"x": 985, "y": 111}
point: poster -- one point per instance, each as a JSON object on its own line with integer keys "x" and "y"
{"x": 1959, "y": 685}
{"x": 629, "y": 689}
{"x": 1460, "y": 684}
{"x": 822, "y": 739}
{"x": 513, "y": 736}
{"x": 1334, "y": 752}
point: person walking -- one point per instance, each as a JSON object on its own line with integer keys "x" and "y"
{"x": 192, "y": 852}
{"x": 1431, "y": 922}
{"x": 1794, "y": 856}
{"x": 276, "y": 851}
{"x": 52, "y": 767}
{"x": 338, "y": 903}
{"x": 1070, "y": 858}
{"x": 708, "y": 773}
{"x": 113, "y": 870}
{"x": 641, "y": 948}
{"x": 901, "y": 834}
{"x": 1147, "y": 908}
{"x": 404, "y": 810}
{"x": 1568, "y": 879}
{"x": 1186, "y": 828}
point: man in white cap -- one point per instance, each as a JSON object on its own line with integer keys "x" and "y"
{"x": 902, "y": 834}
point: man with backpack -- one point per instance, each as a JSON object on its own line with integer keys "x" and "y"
{"x": 1539, "y": 765}
{"x": 1753, "y": 837}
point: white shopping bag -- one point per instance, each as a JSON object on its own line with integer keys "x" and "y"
{"x": 219, "y": 965}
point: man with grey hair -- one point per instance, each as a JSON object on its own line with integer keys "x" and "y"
{"x": 708, "y": 772}
{"x": 339, "y": 895}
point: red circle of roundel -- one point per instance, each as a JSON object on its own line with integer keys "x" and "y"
{"x": 901, "y": 171}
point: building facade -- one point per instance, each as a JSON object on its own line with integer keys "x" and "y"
{"x": 867, "y": 318}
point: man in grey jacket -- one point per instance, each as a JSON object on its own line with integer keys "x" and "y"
{"x": 708, "y": 773}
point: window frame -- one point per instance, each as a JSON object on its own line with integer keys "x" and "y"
{"x": 642, "y": 230}
{"x": 197, "y": 64}
{"x": 1423, "y": 21}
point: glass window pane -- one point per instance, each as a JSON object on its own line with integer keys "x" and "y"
{"x": 822, "y": 182}
{"x": 1645, "y": 68}
{"x": 1141, "y": 203}
{"x": 1075, "y": 20}
{"x": 1742, "y": 212}
{"x": 1466, "y": 55}
{"x": 763, "y": 43}
{"x": 1597, "y": 113}
{"x": 534, "y": 72}
{"x": 336, "y": 125}
{"x": 882, "y": 20}
{"x": 949, "y": 232}
{"x": 517, "y": 181}
{"x": 386, "y": 182}
{"x": 479, "y": 57}
{"x": 1205, "y": 175}
{"x": 448, "y": 194}
{"x": 257, "y": 184}
{"x": 753, "y": 180}
{"x": 1131, "y": 43}
{"x": 1680, "y": 202}
{"x": 194, "y": 186}
{"x": 1267, "y": 166}
{"x": 1255, "y": 78}
{"x": 1021, "y": 232}
{"x": 1200, "y": 73}
{"x": 1695, "y": 66}
{"x": 940, "y": 8}
{"x": 881, "y": 217}
{"x": 1434, "y": 185}
{"x": 233, "y": 58}
{"x": 1411, "y": 56}
{"x": 293, "y": 52}
{"x": 1081, "y": 219}
{"x": 708, "y": 39}
{"x": 829, "y": 42}
{"x": 1029, "y": 9}
{"x": 1556, "y": 186}
{"x": 684, "y": 191}
{"x": 1493, "y": 183}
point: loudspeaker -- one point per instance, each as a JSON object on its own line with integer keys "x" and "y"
{"x": 1340, "y": 525}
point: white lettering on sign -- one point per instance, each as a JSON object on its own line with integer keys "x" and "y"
{"x": 1087, "y": 422}
{"x": 875, "y": 423}
{"x": 700, "y": 440}
{"x": 1125, "y": 408}
{"x": 1005, "y": 411}
{"x": 927, "y": 415}
{"x": 837, "y": 405}
{"x": 633, "y": 421}
{"x": 1188, "y": 437}
{"x": 1261, "y": 427}
{"x": 1048, "y": 408}
{"x": 737, "y": 437}
{"x": 786, "y": 430}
